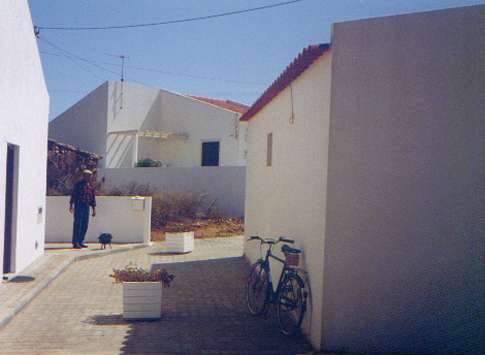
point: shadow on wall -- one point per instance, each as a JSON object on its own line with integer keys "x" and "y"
{"x": 116, "y": 99}
{"x": 119, "y": 147}
{"x": 119, "y": 151}
{"x": 205, "y": 311}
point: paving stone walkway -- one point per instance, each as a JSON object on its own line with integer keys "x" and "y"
{"x": 23, "y": 287}
{"x": 204, "y": 310}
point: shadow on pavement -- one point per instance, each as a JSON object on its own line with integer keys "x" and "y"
{"x": 165, "y": 253}
{"x": 22, "y": 279}
{"x": 204, "y": 312}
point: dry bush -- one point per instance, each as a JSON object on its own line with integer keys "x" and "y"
{"x": 65, "y": 165}
{"x": 131, "y": 189}
{"x": 172, "y": 206}
{"x": 167, "y": 206}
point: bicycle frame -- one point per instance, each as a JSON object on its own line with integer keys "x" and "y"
{"x": 286, "y": 270}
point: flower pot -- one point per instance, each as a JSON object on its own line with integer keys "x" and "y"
{"x": 180, "y": 242}
{"x": 142, "y": 300}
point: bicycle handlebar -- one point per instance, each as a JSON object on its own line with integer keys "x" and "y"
{"x": 271, "y": 241}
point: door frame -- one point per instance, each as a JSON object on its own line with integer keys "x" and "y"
{"x": 10, "y": 216}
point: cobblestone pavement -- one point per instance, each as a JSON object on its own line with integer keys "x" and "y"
{"x": 204, "y": 310}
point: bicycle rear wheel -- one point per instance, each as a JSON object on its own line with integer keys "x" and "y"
{"x": 257, "y": 289}
{"x": 291, "y": 304}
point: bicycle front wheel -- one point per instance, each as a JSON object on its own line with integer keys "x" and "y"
{"x": 257, "y": 289}
{"x": 291, "y": 304}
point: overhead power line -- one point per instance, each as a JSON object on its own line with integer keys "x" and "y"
{"x": 100, "y": 65}
{"x": 169, "y": 22}
{"x": 76, "y": 59}
{"x": 194, "y": 76}
{"x": 80, "y": 65}
{"x": 71, "y": 55}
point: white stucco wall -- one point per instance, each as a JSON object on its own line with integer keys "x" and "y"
{"x": 129, "y": 107}
{"x": 146, "y": 108}
{"x": 225, "y": 184}
{"x": 405, "y": 217}
{"x": 203, "y": 122}
{"x": 288, "y": 198}
{"x": 114, "y": 107}
{"x": 83, "y": 125}
{"x": 114, "y": 214}
{"x": 24, "y": 106}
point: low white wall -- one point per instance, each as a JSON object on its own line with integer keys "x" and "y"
{"x": 114, "y": 214}
{"x": 225, "y": 184}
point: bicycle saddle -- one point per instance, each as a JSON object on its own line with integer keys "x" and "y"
{"x": 287, "y": 249}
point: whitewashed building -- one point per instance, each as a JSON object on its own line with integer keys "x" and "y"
{"x": 125, "y": 122}
{"x": 369, "y": 152}
{"x": 24, "y": 109}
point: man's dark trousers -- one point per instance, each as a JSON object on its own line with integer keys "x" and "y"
{"x": 81, "y": 222}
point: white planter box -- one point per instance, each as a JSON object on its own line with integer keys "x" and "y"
{"x": 142, "y": 300}
{"x": 179, "y": 242}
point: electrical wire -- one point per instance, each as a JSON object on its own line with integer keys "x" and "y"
{"x": 67, "y": 91}
{"x": 140, "y": 68}
{"x": 193, "y": 76}
{"x": 83, "y": 67}
{"x": 71, "y": 55}
{"x": 169, "y": 22}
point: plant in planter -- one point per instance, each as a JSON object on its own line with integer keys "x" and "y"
{"x": 179, "y": 238}
{"x": 142, "y": 291}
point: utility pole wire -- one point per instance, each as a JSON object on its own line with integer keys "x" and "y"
{"x": 72, "y": 55}
{"x": 123, "y": 58}
{"x": 153, "y": 70}
{"x": 70, "y": 58}
{"x": 193, "y": 76}
{"x": 169, "y": 22}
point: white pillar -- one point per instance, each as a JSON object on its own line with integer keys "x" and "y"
{"x": 135, "y": 151}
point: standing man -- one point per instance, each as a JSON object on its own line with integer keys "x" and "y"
{"x": 83, "y": 196}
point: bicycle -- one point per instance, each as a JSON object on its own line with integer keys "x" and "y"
{"x": 290, "y": 295}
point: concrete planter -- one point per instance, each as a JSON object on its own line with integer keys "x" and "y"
{"x": 142, "y": 300}
{"x": 181, "y": 242}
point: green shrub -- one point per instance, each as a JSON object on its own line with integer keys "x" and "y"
{"x": 148, "y": 163}
{"x": 172, "y": 206}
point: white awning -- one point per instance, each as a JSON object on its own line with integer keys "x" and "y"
{"x": 151, "y": 134}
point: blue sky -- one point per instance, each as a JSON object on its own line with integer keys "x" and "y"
{"x": 235, "y": 57}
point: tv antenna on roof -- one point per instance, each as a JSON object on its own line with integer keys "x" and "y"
{"x": 123, "y": 58}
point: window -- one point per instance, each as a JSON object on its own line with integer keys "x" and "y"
{"x": 269, "y": 149}
{"x": 210, "y": 154}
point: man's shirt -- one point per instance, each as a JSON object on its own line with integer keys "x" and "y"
{"x": 83, "y": 192}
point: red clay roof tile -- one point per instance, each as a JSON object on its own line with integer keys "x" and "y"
{"x": 227, "y": 104}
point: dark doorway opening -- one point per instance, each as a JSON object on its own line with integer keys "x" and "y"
{"x": 210, "y": 154}
{"x": 10, "y": 195}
